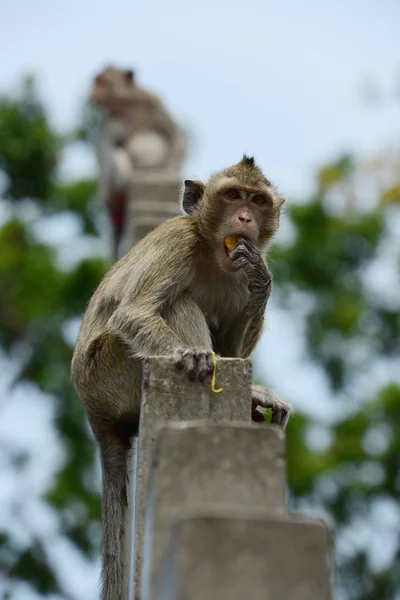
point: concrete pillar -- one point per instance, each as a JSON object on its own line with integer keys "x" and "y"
{"x": 167, "y": 396}
{"x": 204, "y": 466}
{"x": 252, "y": 556}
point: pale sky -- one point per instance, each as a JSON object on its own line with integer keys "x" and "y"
{"x": 280, "y": 80}
{"x": 277, "y": 79}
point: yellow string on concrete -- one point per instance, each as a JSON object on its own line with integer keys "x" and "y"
{"x": 214, "y": 376}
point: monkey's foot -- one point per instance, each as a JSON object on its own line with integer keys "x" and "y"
{"x": 267, "y": 398}
{"x": 195, "y": 362}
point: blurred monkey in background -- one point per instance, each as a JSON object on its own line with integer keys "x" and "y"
{"x": 138, "y": 135}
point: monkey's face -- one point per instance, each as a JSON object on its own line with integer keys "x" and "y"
{"x": 107, "y": 83}
{"x": 237, "y": 202}
{"x": 240, "y": 213}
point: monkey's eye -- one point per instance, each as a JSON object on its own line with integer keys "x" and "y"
{"x": 232, "y": 194}
{"x": 259, "y": 199}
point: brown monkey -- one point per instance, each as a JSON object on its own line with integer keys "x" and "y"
{"x": 138, "y": 134}
{"x": 180, "y": 292}
{"x": 116, "y": 91}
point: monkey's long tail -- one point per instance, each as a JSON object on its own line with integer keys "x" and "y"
{"x": 114, "y": 506}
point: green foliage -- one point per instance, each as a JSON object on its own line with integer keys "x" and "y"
{"x": 32, "y": 566}
{"x": 348, "y": 329}
{"x": 78, "y": 197}
{"x": 37, "y": 301}
{"x": 391, "y": 195}
{"x": 327, "y": 260}
{"x": 24, "y": 266}
{"x": 335, "y": 172}
{"x": 28, "y": 146}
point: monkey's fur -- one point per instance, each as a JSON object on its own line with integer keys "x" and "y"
{"x": 177, "y": 292}
{"x": 138, "y": 134}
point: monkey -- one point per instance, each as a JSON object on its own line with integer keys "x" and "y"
{"x": 180, "y": 292}
{"x": 137, "y": 134}
{"x": 116, "y": 90}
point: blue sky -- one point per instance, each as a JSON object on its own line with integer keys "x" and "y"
{"x": 280, "y": 80}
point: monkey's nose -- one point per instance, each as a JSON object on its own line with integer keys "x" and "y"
{"x": 245, "y": 219}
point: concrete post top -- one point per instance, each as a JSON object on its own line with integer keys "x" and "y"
{"x": 233, "y": 375}
{"x": 166, "y": 361}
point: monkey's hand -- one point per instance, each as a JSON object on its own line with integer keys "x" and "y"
{"x": 197, "y": 363}
{"x": 267, "y": 398}
{"x": 245, "y": 255}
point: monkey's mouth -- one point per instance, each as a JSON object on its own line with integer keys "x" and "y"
{"x": 225, "y": 257}
{"x": 229, "y": 243}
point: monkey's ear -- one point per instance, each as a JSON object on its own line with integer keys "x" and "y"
{"x": 129, "y": 75}
{"x": 192, "y": 193}
{"x": 281, "y": 200}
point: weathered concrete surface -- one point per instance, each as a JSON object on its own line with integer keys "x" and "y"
{"x": 228, "y": 557}
{"x": 169, "y": 396}
{"x": 202, "y": 465}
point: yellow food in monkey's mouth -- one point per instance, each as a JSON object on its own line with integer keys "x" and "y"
{"x": 230, "y": 242}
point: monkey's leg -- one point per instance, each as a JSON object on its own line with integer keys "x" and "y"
{"x": 267, "y": 398}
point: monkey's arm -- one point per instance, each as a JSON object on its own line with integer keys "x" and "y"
{"x": 241, "y": 339}
{"x": 156, "y": 275}
{"x": 143, "y": 330}
{"x": 254, "y": 316}
{"x": 244, "y": 335}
